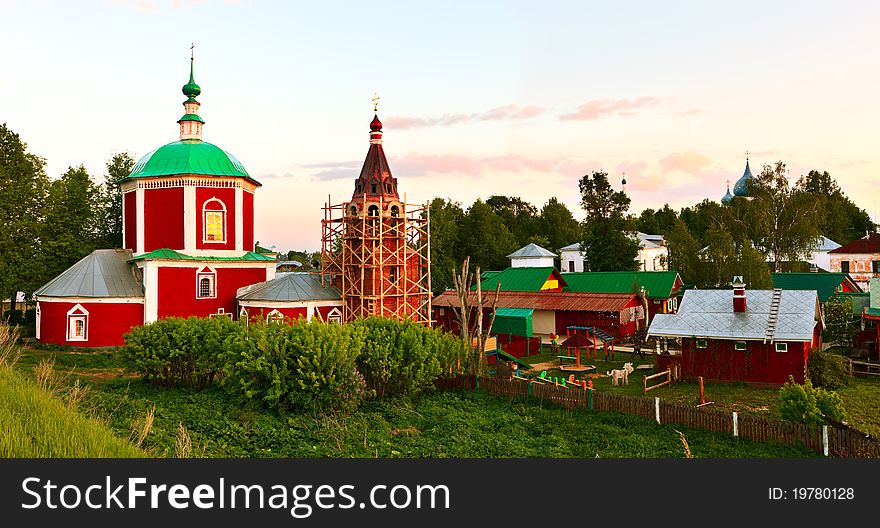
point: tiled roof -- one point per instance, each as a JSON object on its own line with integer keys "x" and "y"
{"x": 588, "y": 302}
{"x": 657, "y": 284}
{"x": 294, "y": 286}
{"x": 102, "y": 273}
{"x": 825, "y": 284}
{"x": 709, "y": 313}
{"x": 520, "y": 279}
{"x": 869, "y": 244}
{"x": 531, "y": 251}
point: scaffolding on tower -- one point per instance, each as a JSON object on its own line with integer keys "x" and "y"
{"x": 377, "y": 254}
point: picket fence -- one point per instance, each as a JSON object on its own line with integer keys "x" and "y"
{"x": 830, "y": 441}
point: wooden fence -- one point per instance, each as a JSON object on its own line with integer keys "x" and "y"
{"x": 830, "y": 441}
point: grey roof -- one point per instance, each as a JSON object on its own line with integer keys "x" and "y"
{"x": 826, "y": 244}
{"x": 531, "y": 251}
{"x": 571, "y": 247}
{"x": 709, "y": 313}
{"x": 294, "y": 286}
{"x": 102, "y": 273}
{"x": 649, "y": 241}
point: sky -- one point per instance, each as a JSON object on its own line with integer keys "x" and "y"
{"x": 477, "y": 98}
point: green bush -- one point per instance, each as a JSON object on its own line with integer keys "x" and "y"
{"x": 176, "y": 351}
{"x": 806, "y": 404}
{"x": 828, "y": 370}
{"x": 405, "y": 357}
{"x": 303, "y": 366}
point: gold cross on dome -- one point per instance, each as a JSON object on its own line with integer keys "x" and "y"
{"x": 375, "y": 102}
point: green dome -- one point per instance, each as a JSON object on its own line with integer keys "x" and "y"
{"x": 191, "y": 89}
{"x": 189, "y": 156}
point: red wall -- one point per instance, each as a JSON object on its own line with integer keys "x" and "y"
{"x": 248, "y": 217}
{"x": 324, "y": 311}
{"x": 759, "y": 363}
{"x": 163, "y": 218}
{"x": 225, "y": 195}
{"x": 259, "y": 312}
{"x": 130, "y": 220}
{"x": 177, "y": 290}
{"x": 107, "y": 322}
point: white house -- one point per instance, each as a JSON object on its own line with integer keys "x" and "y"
{"x": 532, "y": 256}
{"x": 653, "y": 254}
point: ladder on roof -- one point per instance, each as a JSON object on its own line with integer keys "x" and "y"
{"x": 770, "y": 331}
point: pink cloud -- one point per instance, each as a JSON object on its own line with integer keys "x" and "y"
{"x": 595, "y": 109}
{"x": 690, "y": 162}
{"x": 500, "y": 113}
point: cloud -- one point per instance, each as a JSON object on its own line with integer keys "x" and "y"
{"x": 500, "y": 113}
{"x": 595, "y": 109}
{"x": 689, "y": 162}
{"x": 687, "y": 113}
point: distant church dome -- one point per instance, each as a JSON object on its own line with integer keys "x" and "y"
{"x": 741, "y": 187}
{"x": 727, "y": 196}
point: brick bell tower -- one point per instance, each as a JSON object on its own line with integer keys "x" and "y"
{"x": 375, "y": 247}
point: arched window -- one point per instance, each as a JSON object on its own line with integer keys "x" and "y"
{"x": 77, "y": 324}
{"x": 206, "y": 284}
{"x": 354, "y": 210}
{"x": 214, "y": 221}
{"x": 373, "y": 210}
{"x": 373, "y": 188}
{"x": 395, "y": 211}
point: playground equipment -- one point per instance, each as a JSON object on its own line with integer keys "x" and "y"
{"x": 593, "y": 334}
{"x": 576, "y": 342}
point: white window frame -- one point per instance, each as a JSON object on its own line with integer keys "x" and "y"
{"x": 275, "y": 316}
{"x": 736, "y": 345}
{"x": 205, "y": 212}
{"x": 334, "y": 315}
{"x": 75, "y": 314}
{"x": 704, "y": 341}
{"x": 209, "y": 274}
{"x": 782, "y": 347}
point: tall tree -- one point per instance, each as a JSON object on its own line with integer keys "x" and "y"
{"x": 109, "y": 201}
{"x": 446, "y": 250}
{"x": 557, "y": 225}
{"x": 485, "y": 238}
{"x": 520, "y": 217}
{"x": 609, "y": 241}
{"x": 843, "y": 221}
{"x": 70, "y": 227}
{"x": 684, "y": 253}
{"x": 23, "y": 184}
{"x": 787, "y": 220}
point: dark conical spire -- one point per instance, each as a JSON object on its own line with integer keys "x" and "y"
{"x": 741, "y": 187}
{"x": 375, "y": 180}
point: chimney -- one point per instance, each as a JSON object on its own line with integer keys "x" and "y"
{"x": 739, "y": 294}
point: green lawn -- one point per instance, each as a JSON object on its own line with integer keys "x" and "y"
{"x": 439, "y": 424}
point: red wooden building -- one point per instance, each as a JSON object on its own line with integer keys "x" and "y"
{"x": 759, "y": 336}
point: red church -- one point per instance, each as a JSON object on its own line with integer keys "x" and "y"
{"x": 188, "y": 236}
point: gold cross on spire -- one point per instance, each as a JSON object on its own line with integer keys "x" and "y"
{"x": 375, "y": 102}
{"x": 747, "y": 154}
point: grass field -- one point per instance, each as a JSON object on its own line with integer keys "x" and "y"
{"x": 439, "y": 424}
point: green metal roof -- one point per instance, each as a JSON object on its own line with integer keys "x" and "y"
{"x": 170, "y": 254}
{"x": 188, "y": 156}
{"x": 515, "y": 321}
{"x": 191, "y": 117}
{"x": 191, "y": 89}
{"x": 824, "y": 284}
{"x": 657, "y": 284}
{"x": 520, "y": 279}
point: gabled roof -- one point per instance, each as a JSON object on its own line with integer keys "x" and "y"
{"x": 170, "y": 254}
{"x": 293, "y": 287}
{"x": 869, "y": 244}
{"x": 522, "y": 279}
{"x": 102, "y": 273}
{"x": 657, "y": 284}
{"x": 709, "y": 313}
{"x": 531, "y": 251}
{"x": 563, "y": 301}
{"x": 572, "y": 247}
{"x": 825, "y": 284}
{"x": 826, "y": 244}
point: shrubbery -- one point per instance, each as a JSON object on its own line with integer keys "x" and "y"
{"x": 806, "y": 404}
{"x": 303, "y": 366}
{"x": 827, "y": 369}
{"x": 299, "y": 365}
{"x": 176, "y": 351}
{"x": 405, "y": 357}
